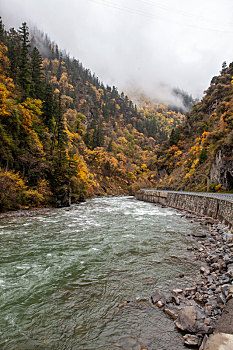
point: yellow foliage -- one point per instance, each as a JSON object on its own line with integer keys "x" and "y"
{"x": 196, "y": 161}
{"x": 171, "y": 180}
{"x": 12, "y": 190}
{"x": 144, "y": 167}
{"x": 189, "y": 174}
{"x": 30, "y": 117}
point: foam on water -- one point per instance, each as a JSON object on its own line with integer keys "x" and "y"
{"x": 65, "y": 275}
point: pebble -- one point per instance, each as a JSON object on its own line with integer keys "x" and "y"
{"x": 193, "y": 340}
{"x": 197, "y": 309}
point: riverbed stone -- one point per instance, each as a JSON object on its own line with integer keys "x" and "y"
{"x": 212, "y": 286}
{"x": 160, "y": 304}
{"x": 219, "y": 341}
{"x": 192, "y": 340}
{"x": 177, "y": 291}
{"x": 158, "y": 296}
{"x": 225, "y": 289}
{"x": 205, "y": 270}
{"x": 175, "y": 300}
{"x": 199, "y": 234}
{"x": 203, "y": 343}
{"x": 186, "y": 320}
{"x": 172, "y": 312}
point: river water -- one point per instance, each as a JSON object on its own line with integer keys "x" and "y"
{"x": 80, "y": 278}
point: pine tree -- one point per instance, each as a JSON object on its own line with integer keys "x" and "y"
{"x": 57, "y": 55}
{"x": 14, "y": 51}
{"x": 59, "y": 71}
{"x": 2, "y": 31}
{"x": 61, "y": 134}
{"x": 110, "y": 148}
{"x": 24, "y": 75}
{"x": 37, "y": 75}
{"x": 48, "y": 105}
{"x": 98, "y": 136}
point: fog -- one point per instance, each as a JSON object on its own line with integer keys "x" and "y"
{"x": 147, "y": 45}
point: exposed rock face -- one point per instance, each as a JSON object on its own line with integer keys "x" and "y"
{"x": 222, "y": 171}
{"x": 63, "y": 197}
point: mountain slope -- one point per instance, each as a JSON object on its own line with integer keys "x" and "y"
{"x": 66, "y": 136}
{"x": 199, "y": 154}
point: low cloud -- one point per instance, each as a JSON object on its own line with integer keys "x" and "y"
{"x": 152, "y": 46}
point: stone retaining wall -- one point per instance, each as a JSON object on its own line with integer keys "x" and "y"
{"x": 216, "y": 208}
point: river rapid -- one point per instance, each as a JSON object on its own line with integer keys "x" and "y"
{"x": 81, "y": 277}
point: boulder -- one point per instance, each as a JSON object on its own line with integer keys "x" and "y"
{"x": 190, "y": 319}
{"x": 186, "y": 320}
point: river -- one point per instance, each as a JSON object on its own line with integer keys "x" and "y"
{"x": 81, "y": 277}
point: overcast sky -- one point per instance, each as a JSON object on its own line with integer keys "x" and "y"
{"x": 144, "y": 44}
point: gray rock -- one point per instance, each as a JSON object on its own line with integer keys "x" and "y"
{"x": 158, "y": 296}
{"x": 198, "y": 297}
{"x": 225, "y": 289}
{"x": 202, "y": 347}
{"x": 186, "y": 320}
{"x": 177, "y": 291}
{"x": 230, "y": 293}
{"x": 221, "y": 298}
{"x": 175, "y": 300}
{"x": 199, "y": 234}
{"x": 189, "y": 291}
{"x": 172, "y": 312}
{"x": 192, "y": 340}
{"x": 205, "y": 270}
{"x": 230, "y": 273}
{"x": 160, "y": 304}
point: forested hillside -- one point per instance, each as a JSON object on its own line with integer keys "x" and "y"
{"x": 157, "y": 120}
{"x": 66, "y": 136}
{"x": 199, "y": 154}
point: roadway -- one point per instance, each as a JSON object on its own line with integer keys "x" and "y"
{"x": 226, "y": 196}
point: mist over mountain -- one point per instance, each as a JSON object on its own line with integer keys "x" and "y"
{"x": 64, "y": 134}
{"x": 149, "y": 45}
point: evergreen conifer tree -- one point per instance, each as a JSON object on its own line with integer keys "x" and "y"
{"x": 14, "y": 51}
{"x": 2, "y": 31}
{"x": 48, "y": 105}
{"x": 24, "y": 75}
{"x": 37, "y": 75}
{"x": 61, "y": 135}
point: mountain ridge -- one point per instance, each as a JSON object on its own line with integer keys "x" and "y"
{"x": 68, "y": 136}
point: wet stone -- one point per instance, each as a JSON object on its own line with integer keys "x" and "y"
{"x": 199, "y": 234}
{"x": 158, "y": 296}
{"x": 172, "y": 312}
{"x": 192, "y": 340}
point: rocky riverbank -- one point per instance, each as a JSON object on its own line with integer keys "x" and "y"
{"x": 197, "y": 309}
